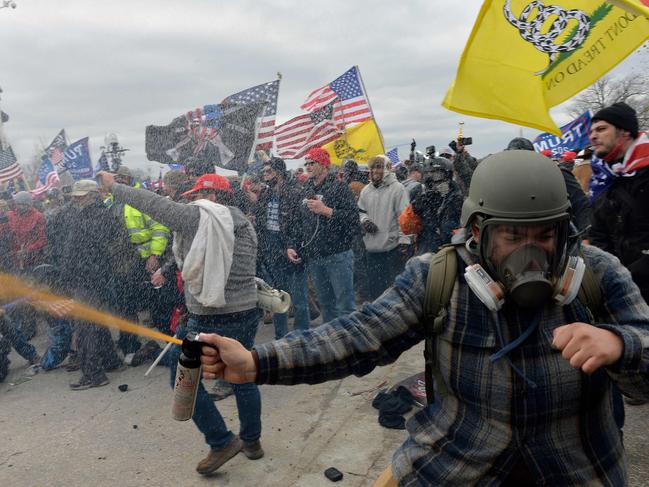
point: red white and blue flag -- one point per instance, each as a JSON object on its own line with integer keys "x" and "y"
{"x": 57, "y": 147}
{"x": 295, "y": 137}
{"x": 9, "y": 168}
{"x": 351, "y": 105}
{"x": 47, "y": 178}
{"x": 266, "y": 93}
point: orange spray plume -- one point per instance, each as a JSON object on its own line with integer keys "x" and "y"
{"x": 13, "y": 288}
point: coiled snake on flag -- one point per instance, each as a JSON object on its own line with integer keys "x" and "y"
{"x": 531, "y": 30}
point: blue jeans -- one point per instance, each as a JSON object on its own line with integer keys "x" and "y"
{"x": 292, "y": 280}
{"x": 242, "y": 327}
{"x": 333, "y": 278}
{"x": 59, "y": 335}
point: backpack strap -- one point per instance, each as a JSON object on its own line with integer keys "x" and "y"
{"x": 439, "y": 287}
{"x": 590, "y": 294}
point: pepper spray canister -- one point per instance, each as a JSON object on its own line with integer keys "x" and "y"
{"x": 188, "y": 377}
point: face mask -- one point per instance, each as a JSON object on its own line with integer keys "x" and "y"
{"x": 442, "y": 187}
{"x": 524, "y": 274}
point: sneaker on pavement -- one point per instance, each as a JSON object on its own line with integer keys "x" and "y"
{"x": 84, "y": 384}
{"x": 253, "y": 450}
{"x": 218, "y": 457}
{"x": 221, "y": 390}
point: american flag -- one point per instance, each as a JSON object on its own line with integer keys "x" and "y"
{"x": 55, "y": 150}
{"x": 298, "y": 135}
{"x": 265, "y": 93}
{"x": 47, "y": 177}
{"x": 9, "y": 168}
{"x": 346, "y": 92}
{"x": 393, "y": 155}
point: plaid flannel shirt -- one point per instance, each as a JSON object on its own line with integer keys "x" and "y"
{"x": 562, "y": 426}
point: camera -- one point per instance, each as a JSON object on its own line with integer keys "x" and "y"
{"x": 430, "y": 151}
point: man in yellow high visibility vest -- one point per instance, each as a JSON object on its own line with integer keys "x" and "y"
{"x": 150, "y": 238}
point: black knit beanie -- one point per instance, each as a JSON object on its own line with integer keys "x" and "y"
{"x": 621, "y": 116}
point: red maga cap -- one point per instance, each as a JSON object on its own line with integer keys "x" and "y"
{"x": 210, "y": 182}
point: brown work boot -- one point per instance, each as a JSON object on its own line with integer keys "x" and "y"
{"x": 218, "y": 457}
{"x": 253, "y": 450}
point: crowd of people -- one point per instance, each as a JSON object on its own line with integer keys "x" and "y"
{"x": 353, "y": 246}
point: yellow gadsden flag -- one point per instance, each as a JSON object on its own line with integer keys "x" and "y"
{"x": 359, "y": 142}
{"x": 524, "y": 57}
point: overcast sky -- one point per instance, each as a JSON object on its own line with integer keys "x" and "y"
{"x": 94, "y": 67}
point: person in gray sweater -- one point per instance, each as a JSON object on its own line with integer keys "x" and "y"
{"x": 235, "y": 316}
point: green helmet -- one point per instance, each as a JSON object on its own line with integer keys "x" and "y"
{"x": 517, "y": 185}
{"x": 521, "y": 190}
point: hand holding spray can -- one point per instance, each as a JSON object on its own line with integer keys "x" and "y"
{"x": 188, "y": 377}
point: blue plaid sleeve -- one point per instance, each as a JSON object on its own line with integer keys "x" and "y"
{"x": 355, "y": 344}
{"x": 627, "y": 315}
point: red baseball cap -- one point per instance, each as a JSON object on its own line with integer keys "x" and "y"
{"x": 210, "y": 182}
{"x": 319, "y": 155}
{"x": 568, "y": 156}
{"x": 546, "y": 153}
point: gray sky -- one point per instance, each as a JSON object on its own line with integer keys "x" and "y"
{"x": 94, "y": 67}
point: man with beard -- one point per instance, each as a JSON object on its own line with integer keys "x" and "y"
{"x": 92, "y": 252}
{"x": 277, "y": 222}
{"x": 621, "y": 213}
{"x": 380, "y": 204}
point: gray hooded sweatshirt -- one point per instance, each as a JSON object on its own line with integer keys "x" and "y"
{"x": 382, "y": 206}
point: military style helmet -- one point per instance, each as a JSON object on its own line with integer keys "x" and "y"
{"x": 437, "y": 168}
{"x": 519, "y": 188}
{"x": 517, "y": 185}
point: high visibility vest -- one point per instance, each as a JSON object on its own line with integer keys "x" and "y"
{"x": 149, "y": 236}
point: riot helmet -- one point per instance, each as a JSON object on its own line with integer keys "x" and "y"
{"x": 518, "y": 214}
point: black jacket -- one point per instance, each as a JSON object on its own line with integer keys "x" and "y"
{"x": 579, "y": 203}
{"x": 324, "y": 236}
{"x": 290, "y": 219}
{"x": 440, "y": 215}
{"x": 621, "y": 225}
{"x": 91, "y": 252}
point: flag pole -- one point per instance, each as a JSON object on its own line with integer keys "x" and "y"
{"x": 369, "y": 104}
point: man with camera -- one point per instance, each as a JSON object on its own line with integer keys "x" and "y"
{"x": 330, "y": 218}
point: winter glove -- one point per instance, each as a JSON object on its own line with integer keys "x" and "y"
{"x": 370, "y": 227}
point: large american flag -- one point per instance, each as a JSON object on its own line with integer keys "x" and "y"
{"x": 265, "y": 93}
{"x": 9, "y": 168}
{"x": 55, "y": 150}
{"x": 346, "y": 92}
{"x": 48, "y": 177}
{"x": 295, "y": 137}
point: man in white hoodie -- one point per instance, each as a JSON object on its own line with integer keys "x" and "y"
{"x": 380, "y": 204}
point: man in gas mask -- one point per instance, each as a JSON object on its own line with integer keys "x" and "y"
{"x": 523, "y": 377}
{"x": 434, "y": 212}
